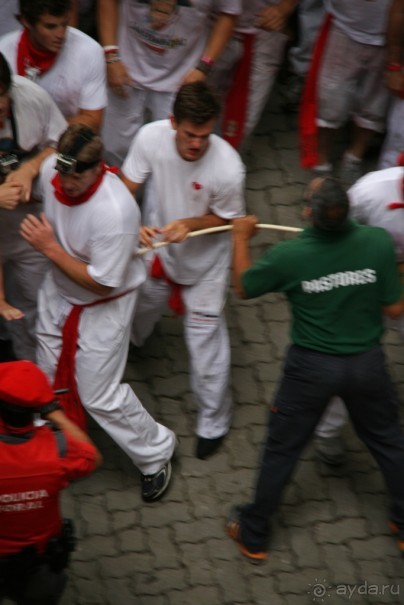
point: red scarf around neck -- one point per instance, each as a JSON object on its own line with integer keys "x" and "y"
{"x": 76, "y": 201}
{"x": 30, "y": 58}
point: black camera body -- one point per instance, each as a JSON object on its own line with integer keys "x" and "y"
{"x": 8, "y": 162}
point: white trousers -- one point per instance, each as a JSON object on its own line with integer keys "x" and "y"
{"x": 100, "y": 363}
{"x": 268, "y": 52}
{"x": 207, "y": 342}
{"x": 394, "y": 142}
{"x": 351, "y": 83}
{"x": 125, "y": 115}
{"x": 310, "y": 17}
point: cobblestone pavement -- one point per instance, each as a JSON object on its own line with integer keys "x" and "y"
{"x": 331, "y": 542}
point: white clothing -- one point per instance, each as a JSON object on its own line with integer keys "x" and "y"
{"x": 103, "y": 231}
{"x": 39, "y": 124}
{"x": 350, "y": 82}
{"x": 184, "y": 189}
{"x": 8, "y": 22}
{"x": 206, "y": 339}
{"x": 100, "y": 364}
{"x": 39, "y": 121}
{"x": 124, "y": 116}
{"x": 310, "y": 16}
{"x": 362, "y": 20}
{"x": 159, "y": 57}
{"x": 267, "y": 58}
{"x": 394, "y": 142}
{"x": 370, "y": 197}
{"x": 77, "y": 79}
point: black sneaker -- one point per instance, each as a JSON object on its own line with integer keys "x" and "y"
{"x": 207, "y": 447}
{"x": 154, "y": 486}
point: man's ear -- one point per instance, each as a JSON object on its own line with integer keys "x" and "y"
{"x": 307, "y": 212}
{"x": 173, "y": 122}
{"x": 24, "y": 22}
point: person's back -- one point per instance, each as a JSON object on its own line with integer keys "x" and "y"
{"x": 36, "y": 464}
{"x": 325, "y": 274}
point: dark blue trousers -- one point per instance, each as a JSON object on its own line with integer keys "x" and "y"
{"x": 309, "y": 381}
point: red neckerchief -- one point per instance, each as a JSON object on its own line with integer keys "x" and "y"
{"x": 29, "y": 57}
{"x": 61, "y": 196}
{"x": 308, "y": 106}
{"x": 175, "y": 301}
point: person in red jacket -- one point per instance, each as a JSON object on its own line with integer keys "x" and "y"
{"x": 36, "y": 464}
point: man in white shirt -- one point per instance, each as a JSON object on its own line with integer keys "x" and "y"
{"x": 151, "y": 48}
{"x": 89, "y": 232}
{"x": 67, "y": 63}
{"x": 198, "y": 183}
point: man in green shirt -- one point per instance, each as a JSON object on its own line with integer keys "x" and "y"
{"x": 339, "y": 278}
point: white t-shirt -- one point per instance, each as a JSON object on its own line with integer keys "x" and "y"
{"x": 38, "y": 120}
{"x": 102, "y": 232}
{"x": 363, "y": 21}
{"x": 370, "y": 197}
{"x": 77, "y": 79}
{"x": 212, "y": 184}
{"x": 39, "y": 124}
{"x": 159, "y": 55}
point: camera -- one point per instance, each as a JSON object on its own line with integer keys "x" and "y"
{"x": 8, "y": 162}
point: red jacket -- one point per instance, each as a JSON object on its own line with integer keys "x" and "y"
{"x": 32, "y": 474}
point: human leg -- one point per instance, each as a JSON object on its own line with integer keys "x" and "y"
{"x": 372, "y": 403}
{"x": 100, "y": 363}
{"x": 310, "y": 379}
{"x": 394, "y": 142}
{"x": 268, "y": 52}
{"x": 328, "y": 442}
{"x": 152, "y": 302}
{"x": 208, "y": 345}
{"x": 123, "y": 118}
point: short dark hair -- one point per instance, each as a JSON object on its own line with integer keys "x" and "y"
{"x": 89, "y": 152}
{"x": 5, "y": 75}
{"x": 329, "y": 203}
{"x": 196, "y": 102}
{"x": 32, "y": 10}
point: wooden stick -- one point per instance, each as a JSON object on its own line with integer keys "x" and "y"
{"x": 217, "y": 230}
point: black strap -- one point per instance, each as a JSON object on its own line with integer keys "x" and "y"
{"x": 60, "y": 442}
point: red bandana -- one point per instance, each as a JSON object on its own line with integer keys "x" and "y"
{"x": 76, "y": 201}
{"x": 32, "y": 62}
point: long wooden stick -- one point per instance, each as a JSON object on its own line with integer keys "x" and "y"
{"x": 217, "y": 230}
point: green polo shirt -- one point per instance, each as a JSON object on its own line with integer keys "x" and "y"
{"x": 336, "y": 284}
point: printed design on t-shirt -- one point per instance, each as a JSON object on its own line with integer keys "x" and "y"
{"x": 338, "y": 280}
{"x": 159, "y": 30}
